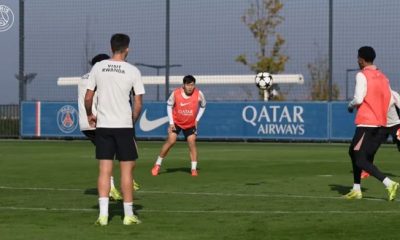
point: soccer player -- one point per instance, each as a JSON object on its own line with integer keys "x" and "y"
{"x": 89, "y": 131}
{"x": 392, "y": 126}
{"x": 185, "y": 106}
{"x": 84, "y": 126}
{"x": 372, "y": 99}
{"x": 393, "y": 120}
{"x": 114, "y": 81}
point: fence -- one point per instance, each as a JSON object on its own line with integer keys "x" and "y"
{"x": 205, "y": 39}
{"x": 9, "y": 121}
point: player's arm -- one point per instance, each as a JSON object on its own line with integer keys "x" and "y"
{"x": 202, "y": 108}
{"x": 91, "y": 88}
{"x": 170, "y": 105}
{"x": 137, "y": 107}
{"x": 138, "y": 92}
{"x": 359, "y": 92}
{"x": 88, "y": 107}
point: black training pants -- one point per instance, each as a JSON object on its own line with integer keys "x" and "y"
{"x": 363, "y": 147}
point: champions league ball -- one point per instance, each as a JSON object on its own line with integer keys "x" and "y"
{"x": 263, "y": 80}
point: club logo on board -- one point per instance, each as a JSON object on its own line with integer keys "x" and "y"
{"x": 67, "y": 119}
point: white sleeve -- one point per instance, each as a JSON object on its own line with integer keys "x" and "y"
{"x": 396, "y": 98}
{"x": 91, "y": 84}
{"x": 138, "y": 85}
{"x": 202, "y": 100}
{"x": 202, "y": 108}
{"x": 170, "y": 118}
{"x": 171, "y": 100}
{"x": 360, "y": 90}
{"x": 200, "y": 113}
{"x": 170, "y": 105}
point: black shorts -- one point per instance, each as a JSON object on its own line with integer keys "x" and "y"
{"x": 91, "y": 134}
{"x": 186, "y": 132}
{"x": 116, "y": 142}
{"x": 367, "y": 140}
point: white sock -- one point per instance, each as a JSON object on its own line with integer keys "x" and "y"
{"x": 112, "y": 182}
{"x": 194, "y": 165}
{"x": 159, "y": 160}
{"x": 103, "y": 203}
{"x": 357, "y": 187}
{"x": 387, "y": 181}
{"x": 128, "y": 209}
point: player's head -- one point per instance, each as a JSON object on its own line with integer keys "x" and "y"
{"x": 366, "y": 56}
{"x": 98, "y": 58}
{"x": 120, "y": 43}
{"x": 189, "y": 83}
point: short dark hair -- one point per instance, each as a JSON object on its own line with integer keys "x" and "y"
{"x": 189, "y": 79}
{"x": 98, "y": 58}
{"x": 119, "y": 42}
{"x": 367, "y": 53}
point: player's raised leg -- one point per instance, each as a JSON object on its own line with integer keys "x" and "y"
{"x": 169, "y": 143}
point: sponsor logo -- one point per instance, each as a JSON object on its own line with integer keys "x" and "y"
{"x": 184, "y": 104}
{"x": 6, "y": 18}
{"x": 113, "y": 68}
{"x": 67, "y": 119}
{"x": 275, "y": 120}
{"x": 185, "y": 112}
{"x": 147, "y": 125}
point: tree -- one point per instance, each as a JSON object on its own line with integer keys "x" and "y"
{"x": 319, "y": 71}
{"x": 262, "y": 18}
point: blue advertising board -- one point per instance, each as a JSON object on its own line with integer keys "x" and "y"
{"x": 342, "y": 122}
{"x": 226, "y": 120}
{"x": 246, "y": 120}
{"x": 49, "y": 119}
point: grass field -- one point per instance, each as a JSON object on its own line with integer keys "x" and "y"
{"x": 244, "y": 191}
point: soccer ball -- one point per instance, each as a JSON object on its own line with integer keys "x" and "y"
{"x": 263, "y": 80}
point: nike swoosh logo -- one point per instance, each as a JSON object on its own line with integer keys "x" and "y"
{"x": 147, "y": 125}
{"x": 184, "y": 104}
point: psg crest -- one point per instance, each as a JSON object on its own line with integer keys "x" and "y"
{"x": 67, "y": 119}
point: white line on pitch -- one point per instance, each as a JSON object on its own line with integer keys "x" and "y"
{"x": 41, "y": 189}
{"x": 195, "y": 193}
{"x": 203, "y": 211}
{"x": 253, "y": 195}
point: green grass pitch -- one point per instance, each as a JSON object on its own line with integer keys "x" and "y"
{"x": 243, "y": 191}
